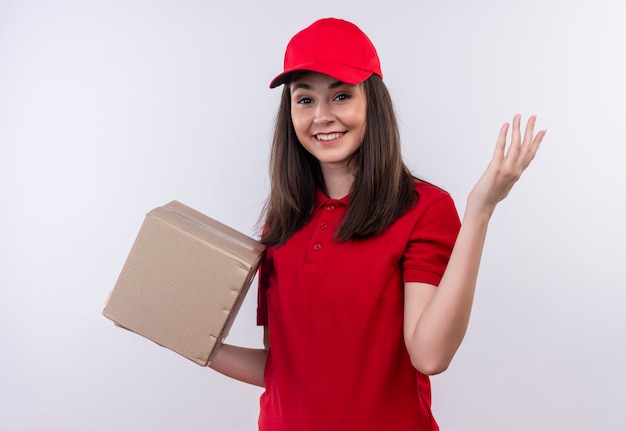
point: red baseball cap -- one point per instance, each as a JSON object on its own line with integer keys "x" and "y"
{"x": 334, "y": 47}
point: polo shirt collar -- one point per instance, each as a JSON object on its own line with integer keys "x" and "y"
{"x": 322, "y": 200}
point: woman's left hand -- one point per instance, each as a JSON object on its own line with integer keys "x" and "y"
{"x": 506, "y": 166}
{"x": 436, "y": 318}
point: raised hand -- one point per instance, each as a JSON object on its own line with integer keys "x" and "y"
{"x": 506, "y": 166}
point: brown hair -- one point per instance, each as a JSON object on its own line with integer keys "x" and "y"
{"x": 383, "y": 188}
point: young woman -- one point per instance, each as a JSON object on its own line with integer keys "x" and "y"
{"x": 369, "y": 276}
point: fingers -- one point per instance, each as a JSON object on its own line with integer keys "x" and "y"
{"x": 501, "y": 152}
{"x": 516, "y": 158}
{"x": 515, "y": 137}
{"x": 501, "y": 142}
{"x": 531, "y": 143}
{"x": 520, "y": 152}
{"x": 538, "y": 139}
{"x": 533, "y": 147}
{"x": 529, "y": 132}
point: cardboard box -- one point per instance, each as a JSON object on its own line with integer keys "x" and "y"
{"x": 184, "y": 281}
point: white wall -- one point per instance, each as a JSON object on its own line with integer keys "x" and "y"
{"x": 109, "y": 109}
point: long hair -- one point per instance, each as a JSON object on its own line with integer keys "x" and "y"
{"x": 383, "y": 188}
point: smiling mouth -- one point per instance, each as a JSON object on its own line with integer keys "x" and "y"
{"x": 329, "y": 136}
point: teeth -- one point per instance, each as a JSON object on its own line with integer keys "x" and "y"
{"x": 329, "y": 137}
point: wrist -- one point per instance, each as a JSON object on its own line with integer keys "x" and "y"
{"x": 479, "y": 213}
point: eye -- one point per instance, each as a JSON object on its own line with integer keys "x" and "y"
{"x": 343, "y": 96}
{"x": 303, "y": 100}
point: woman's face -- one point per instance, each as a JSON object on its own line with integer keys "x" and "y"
{"x": 329, "y": 117}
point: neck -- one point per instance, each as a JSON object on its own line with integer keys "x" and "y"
{"x": 337, "y": 181}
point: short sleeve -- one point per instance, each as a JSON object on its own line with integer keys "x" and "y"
{"x": 431, "y": 241}
{"x": 265, "y": 269}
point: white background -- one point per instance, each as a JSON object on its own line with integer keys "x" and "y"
{"x": 109, "y": 109}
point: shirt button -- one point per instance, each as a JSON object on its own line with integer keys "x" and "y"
{"x": 317, "y": 247}
{"x": 324, "y": 225}
{"x": 330, "y": 207}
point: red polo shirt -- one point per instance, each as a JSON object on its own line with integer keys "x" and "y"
{"x": 337, "y": 358}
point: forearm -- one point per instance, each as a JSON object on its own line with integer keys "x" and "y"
{"x": 440, "y": 329}
{"x": 240, "y": 363}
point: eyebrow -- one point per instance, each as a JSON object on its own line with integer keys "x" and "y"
{"x": 306, "y": 86}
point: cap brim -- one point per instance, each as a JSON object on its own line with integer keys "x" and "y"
{"x": 343, "y": 73}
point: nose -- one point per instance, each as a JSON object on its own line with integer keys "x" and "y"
{"x": 323, "y": 114}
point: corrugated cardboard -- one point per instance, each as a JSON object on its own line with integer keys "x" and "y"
{"x": 184, "y": 281}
